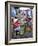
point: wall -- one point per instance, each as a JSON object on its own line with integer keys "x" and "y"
{"x": 37, "y": 22}
{"x": 2, "y": 22}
